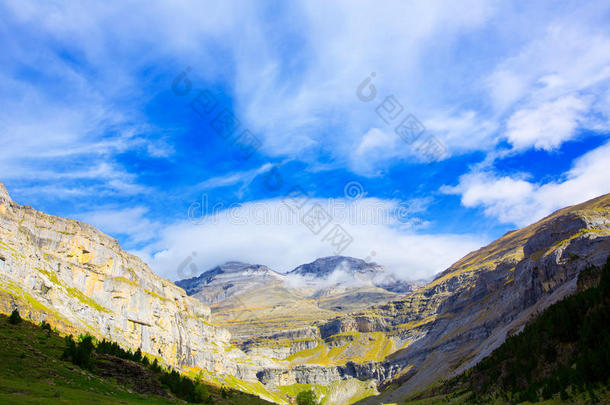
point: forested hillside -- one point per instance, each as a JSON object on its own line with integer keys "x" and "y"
{"x": 564, "y": 354}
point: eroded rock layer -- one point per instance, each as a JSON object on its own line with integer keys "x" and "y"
{"x": 80, "y": 280}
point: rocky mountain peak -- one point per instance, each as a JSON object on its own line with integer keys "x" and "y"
{"x": 235, "y": 266}
{"x": 227, "y": 279}
{"x": 345, "y": 270}
{"x": 4, "y": 195}
{"x": 324, "y": 266}
{"x": 227, "y": 268}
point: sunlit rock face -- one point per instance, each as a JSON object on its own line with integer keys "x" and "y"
{"x": 490, "y": 294}
{"x": 307, "y": 319}
{"x": 80, "y": 279}
{"x": 329, "y": 322}
{"x": 4, "y": 195}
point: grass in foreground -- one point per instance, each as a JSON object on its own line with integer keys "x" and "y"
{"x": 32, "y": 372}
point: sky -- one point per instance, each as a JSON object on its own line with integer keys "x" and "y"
{"x": 272, "y": 132}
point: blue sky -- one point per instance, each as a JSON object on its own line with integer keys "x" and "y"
{"x": 516, "y": 99}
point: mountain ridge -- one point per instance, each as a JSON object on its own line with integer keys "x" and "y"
{"x": 324, "y": 266}
{"x": 80, "y": 280}
{"x": 492, "y": 292}
{"x": 232, "y": 270}
{"x": 326, "y": 287}
{"x": 318, "y": 273}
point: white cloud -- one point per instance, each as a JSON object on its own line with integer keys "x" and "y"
{"x": 376, "y": 139}
{"x": 457, "y": 132}
{"x": 512, "y": 199}
{"x": 242, "y": 178}
{"x": 294, "y": 71}
{"x": 46, "y": 138}
{"x": 530, "y": 77}
{"x": 556, "y": 84}
{"x": 253, "y": 233}
{"x": 376, "y": 151}
{"x": 463, "y": 131}
{"x": 343, "y": 43}
{"x": 570, "y": 54}
{"x": 548, "y": 125}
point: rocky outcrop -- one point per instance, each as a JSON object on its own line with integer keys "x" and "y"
{"x": 80, "y": 280}
{"x": 353, "y": 323}
{"x": 324, "y": 375}
{"x": 5, "y": 198}
{"x": 282, "y": 344}
{"x": 491, "y": 294}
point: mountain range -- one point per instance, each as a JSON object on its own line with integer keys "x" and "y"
{"x": 253, "y": 300}
{"x": 340, "y": 326}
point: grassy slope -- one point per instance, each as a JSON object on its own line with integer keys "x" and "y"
{"x": 229, "y": 381}
{"x": 32, "y": 372}
{"x": 61, "y": 382}
{"x": 352, "y": 390}
{"x": 353, "y": 346}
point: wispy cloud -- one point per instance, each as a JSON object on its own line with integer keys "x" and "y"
{"x": 241, "y": 179}
{"x": 131, "y": 222}
{"x": 515, "y": 200}
{"x": 88, "y": 117}
{"x": 548, "y": 125}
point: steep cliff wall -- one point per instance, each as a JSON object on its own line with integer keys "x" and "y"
{"x": 80, "y": 279}
{"x": 470, "y": 308}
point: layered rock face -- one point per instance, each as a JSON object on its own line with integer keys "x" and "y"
{"x": 442, "y": 328}
{"x": 490, "y": 294}
{"x": 311, "y": 332}
{"x": 253, "y": 301}
{"x": 81, "y": 280}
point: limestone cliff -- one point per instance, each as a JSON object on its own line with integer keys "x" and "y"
{"x": 81, "y": 280}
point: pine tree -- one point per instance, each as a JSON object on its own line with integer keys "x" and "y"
{"x": 15, "y": 318}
